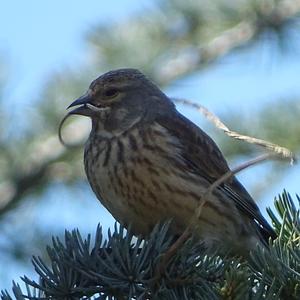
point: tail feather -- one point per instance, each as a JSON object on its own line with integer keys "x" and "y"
{"x": 265, "y": 234}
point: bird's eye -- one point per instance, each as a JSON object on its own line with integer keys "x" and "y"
{"x": 111, "y": 93}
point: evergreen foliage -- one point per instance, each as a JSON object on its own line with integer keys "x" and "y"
{"x": 123, "y": 267}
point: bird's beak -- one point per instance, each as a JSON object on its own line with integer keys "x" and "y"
{"x": 82, "y": 103}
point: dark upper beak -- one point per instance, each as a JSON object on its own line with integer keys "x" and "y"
{"x": 82, "y": 109}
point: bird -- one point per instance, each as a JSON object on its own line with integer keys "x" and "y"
{"x": 147, "y": 163}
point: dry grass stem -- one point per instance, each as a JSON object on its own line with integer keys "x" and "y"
{"x": 281, "y": 152}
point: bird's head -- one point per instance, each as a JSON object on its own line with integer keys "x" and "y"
{"x": 117, "y": 100}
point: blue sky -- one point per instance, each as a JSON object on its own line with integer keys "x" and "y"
{"x": 40, "y": 37}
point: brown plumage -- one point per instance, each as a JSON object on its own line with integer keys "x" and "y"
{"x": 147, "y": 163}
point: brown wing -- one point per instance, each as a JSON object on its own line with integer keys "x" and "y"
{"x": 203, "y": 157}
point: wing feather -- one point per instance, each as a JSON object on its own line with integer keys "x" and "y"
{"x": 202, "y": 156}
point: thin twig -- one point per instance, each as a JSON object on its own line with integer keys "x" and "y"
{"x": 186, "y": 234}
{"x": 227, "y": 176}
